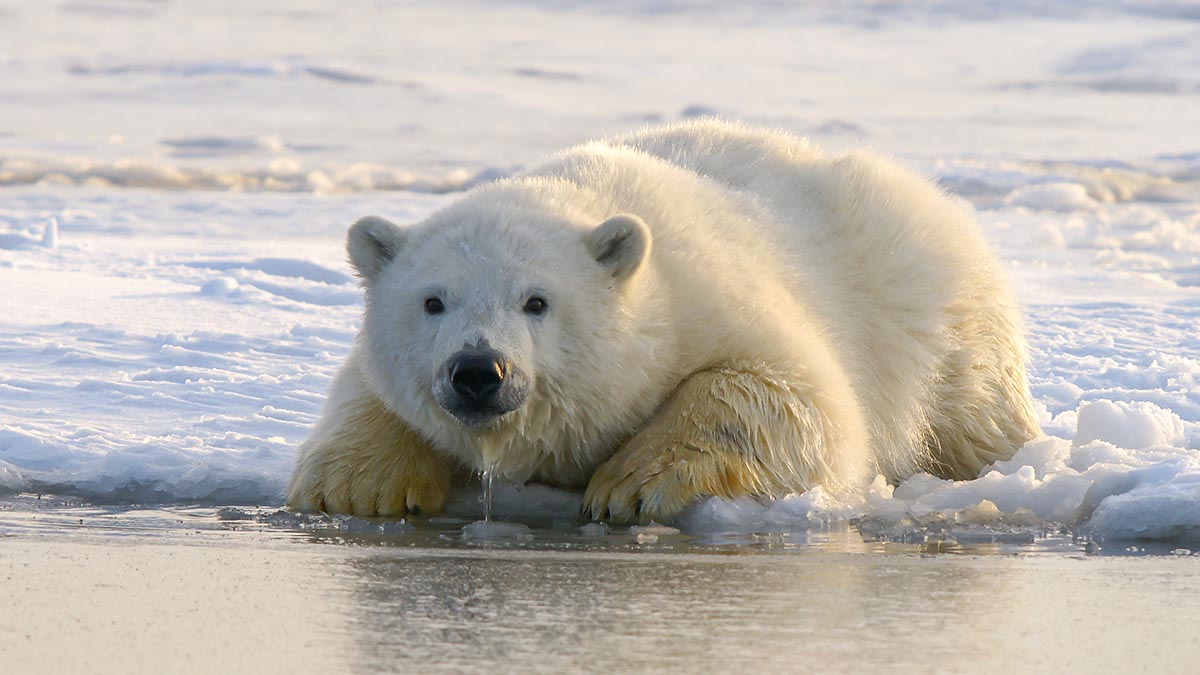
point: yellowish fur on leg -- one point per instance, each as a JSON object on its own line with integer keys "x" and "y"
{"x": 727, "y": 432}
{"x": 370, "y": 464}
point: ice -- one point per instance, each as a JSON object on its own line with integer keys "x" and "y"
{"x": 492, "y": 530}
{"x": 812, "y": 509}
{"x": 49, "y": 238}
{"x": 656, "y": 529}
{"x": 516, "y": 502}
{"x": 174, "y": 297}
{"x": 50, "y": 234}
{"x": 652, "y": 532}
{"x": 594, "y": 530}
{"x": 11, "y": 479}
{"x": 356, "y": 525}
{"x": 219, "y": 286}
{"x": 1160, "y": 502}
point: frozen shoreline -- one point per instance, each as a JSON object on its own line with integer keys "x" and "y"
{"x": 176, "y": 298}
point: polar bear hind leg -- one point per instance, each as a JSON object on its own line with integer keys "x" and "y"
{"x": 981, "y": 412}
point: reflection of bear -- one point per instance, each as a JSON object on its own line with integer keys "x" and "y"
{"x": 700, "y": 309}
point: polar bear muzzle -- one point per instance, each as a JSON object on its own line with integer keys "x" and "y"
{"x": 484, "y": 385}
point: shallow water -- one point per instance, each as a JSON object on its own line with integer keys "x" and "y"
{"x": 207, "y": 590}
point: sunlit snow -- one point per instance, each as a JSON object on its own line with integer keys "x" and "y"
{"x": 175, "y": 183}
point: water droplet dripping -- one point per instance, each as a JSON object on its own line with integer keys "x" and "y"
{"x": 488, "y": 478}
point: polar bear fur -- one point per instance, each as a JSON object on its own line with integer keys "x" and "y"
{"x": 731, "y": 312}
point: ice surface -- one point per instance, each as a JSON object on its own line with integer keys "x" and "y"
{"x": 173, "y": 343}
{"x": 485, "y": 530}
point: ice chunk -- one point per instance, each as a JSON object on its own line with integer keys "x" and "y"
{"x": 983, "y": 513}
{"x": 654, "y": 529}
{"x": 594, "y": 530}
{"x": 11, "y": 479}
{"x": 1161, "y": 502}
{"x": 50, "y": 234}
{"x": 219, "y": 286}
{"x": 1134, "y": 425}
{"x": 493, "y": 530}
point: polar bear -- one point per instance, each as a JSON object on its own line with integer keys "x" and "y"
{"x": 697, "y": 309}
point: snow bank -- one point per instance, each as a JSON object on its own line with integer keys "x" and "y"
{"x": 1148, "y": 489}
{"x": 1137, "y": 425}
{"x": 286, "y": 174}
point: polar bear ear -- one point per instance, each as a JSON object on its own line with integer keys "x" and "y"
{"x": 620, "y": 244}
{"x": 372, "y": 243}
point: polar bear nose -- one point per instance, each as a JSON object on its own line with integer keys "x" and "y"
{"x": 478, "y": 376}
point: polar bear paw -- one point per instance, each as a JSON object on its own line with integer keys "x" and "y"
{"x": 655, "y": 482}
{"x": 406, "y": 481}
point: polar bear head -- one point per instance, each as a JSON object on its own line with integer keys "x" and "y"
{"x": 502, "y": 321}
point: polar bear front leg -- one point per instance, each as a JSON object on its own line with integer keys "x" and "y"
{"x": 364, "y": 460}
{"x": 741, "y": 429}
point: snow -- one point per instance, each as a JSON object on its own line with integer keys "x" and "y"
{"x": 175, "y": 184}
{"x": 1138, "y": 425}
{"x": 1054, "y": 197}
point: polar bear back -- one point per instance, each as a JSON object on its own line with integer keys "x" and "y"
{"x": 891, "y": 267}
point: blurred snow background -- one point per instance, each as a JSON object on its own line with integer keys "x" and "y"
{"x": 176, "y": 178}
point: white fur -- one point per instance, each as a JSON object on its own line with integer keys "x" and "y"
{"x": 864, "y": 299}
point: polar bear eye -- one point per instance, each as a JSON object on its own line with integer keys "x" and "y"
{"x": 434, "y": 306}
{"x": 535, "y": 305}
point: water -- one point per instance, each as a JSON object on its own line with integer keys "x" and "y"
{"x": 488, "y": 529}
{"x": 488, "y": 480}
{"x": 103, "y": 590}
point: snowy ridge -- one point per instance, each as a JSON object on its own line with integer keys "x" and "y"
{"x": 290, "y": 67}
{"x": 284, "y": 174}
{"x": 1068, "y": 186}
{"x": 1053, "y": 185}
